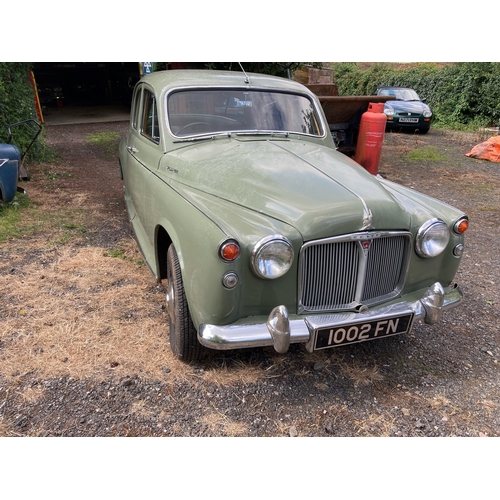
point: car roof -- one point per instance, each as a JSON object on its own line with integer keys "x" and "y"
{"x": 172, "y": 79}
{"x": 390, "y": 87}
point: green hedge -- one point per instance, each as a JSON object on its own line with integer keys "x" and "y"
{"x": 17, "y": 102}
{"x": 460, "y": 94}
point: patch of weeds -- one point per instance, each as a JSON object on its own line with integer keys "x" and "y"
{"x": 10, "y": 217}
{"x": 119, "y": 253}
{"x": 482, "y": 190}
{"x": 420, "y": 365}
{"x": 42, "y": 152}
{"x": 70, "y": 231}
{"x": 426, "y": 153}
{"x": 22, "y": 218}
{"x": 489, "y": 208}
{"x": 54, "y": 176}
{"x": 107, "y": 141}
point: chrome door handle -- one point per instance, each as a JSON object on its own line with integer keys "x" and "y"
{"x": 132, "y": 150}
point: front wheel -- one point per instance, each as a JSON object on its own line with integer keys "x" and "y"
{"x": 183, "y": 339}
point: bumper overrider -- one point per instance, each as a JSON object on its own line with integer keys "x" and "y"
{"x": 330, "y": 330}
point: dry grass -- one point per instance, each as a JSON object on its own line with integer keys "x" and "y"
{"x": 32, "y": 394}
{"x": 376, "y": 425}
{"x": 242, "y": 373}
{"x": 82, "y": 314}
{"x": 140, "y": 408}
{"x": 361, "y": 375}
{"x": 218, "y": 424}
{"x": 4, "y": 429}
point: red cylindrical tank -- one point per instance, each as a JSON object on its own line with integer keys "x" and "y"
{"x": 371, "y": 137}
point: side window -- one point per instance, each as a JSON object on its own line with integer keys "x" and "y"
{"x": 150, "y": 117}
{"x": 135, "y": 108}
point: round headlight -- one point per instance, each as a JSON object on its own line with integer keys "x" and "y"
{"x": 427, "y": 113}
{"x": 389, "y": 111}
{"x": 272, "y": 257}
{"x": 432, "y": 238}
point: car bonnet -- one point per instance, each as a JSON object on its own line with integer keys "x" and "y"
{"x": 407, "y": 106}
{"x": 311, "y": 187}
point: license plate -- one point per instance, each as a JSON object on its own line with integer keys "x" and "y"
{"x": 408, "y": 120}
{"x": 363, "y": 330}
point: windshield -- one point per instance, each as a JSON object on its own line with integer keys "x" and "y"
{"x": 209, "y": 111}
{"x": 401, "y": 94}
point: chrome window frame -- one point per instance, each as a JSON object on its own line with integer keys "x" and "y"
{"x": 317, "y": 108}
{"x": 143, "y": 108}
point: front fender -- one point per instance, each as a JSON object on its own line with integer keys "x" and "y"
{"x": 253, "y": 296}
{"x": 171, "y": 218}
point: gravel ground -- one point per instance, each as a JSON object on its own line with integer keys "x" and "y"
{"x": 440, "y": 380}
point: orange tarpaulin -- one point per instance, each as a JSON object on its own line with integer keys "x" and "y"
{"x": 488, "y": 150}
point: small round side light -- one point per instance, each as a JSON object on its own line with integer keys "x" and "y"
{"x": 230, "y": 280}
{"x": 229, "y": 250}
{"x": 458, "y": 250}
{"x": 461, "y": 225}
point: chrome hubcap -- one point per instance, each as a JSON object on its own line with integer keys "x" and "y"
{"x": 170, "y": 299}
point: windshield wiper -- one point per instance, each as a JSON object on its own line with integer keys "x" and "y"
{"x": 262, "y": 132}
{"x": 204, "y": 137}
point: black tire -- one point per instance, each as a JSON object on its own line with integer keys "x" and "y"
{"x": 183, "y": 338}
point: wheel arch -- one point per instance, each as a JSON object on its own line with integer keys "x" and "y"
{"x": 162, "y": 242}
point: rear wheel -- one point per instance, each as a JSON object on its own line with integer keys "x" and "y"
{"x": 183, "y": 339}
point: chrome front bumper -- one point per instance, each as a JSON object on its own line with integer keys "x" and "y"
{"x": 280, "y": 330}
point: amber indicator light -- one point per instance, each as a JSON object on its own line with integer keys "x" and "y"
{"x": 230, "y": 251}
{"x": 462, "y": 226}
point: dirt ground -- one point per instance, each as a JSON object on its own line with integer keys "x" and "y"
{"x": 83, "y": 328}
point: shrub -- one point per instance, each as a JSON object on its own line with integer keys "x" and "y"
{"x": 460, "y": 94}
{"x": 17, "y": 104}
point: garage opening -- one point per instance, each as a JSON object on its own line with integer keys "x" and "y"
{"x": 78, "y": 92}
{"x": 85, "y": 84}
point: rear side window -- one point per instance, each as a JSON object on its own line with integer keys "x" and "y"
{"x": 136, "y": 106}
{"x": 149, "y": 127}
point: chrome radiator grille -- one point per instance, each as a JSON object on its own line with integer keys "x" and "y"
{"x": 346, "y": 272}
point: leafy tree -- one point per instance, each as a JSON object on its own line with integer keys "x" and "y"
{"x": 283, "y": 69}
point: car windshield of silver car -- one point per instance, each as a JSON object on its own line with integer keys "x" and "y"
{"x": 401, "y": 94}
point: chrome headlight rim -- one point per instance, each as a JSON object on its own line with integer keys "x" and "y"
{"x": 424, "y": 238}
{"x": 259, "y": 251}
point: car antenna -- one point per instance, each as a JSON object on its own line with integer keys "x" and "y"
{"x": 246, "y": 76}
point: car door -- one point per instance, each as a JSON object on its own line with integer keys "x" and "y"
{"x": 144, "y": 153}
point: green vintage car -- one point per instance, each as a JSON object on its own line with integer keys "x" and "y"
{"x": 265, "y": 233}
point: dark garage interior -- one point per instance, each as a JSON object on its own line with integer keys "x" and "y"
{"x": 78, "y": 92}
{"x": 85, "y": 83}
